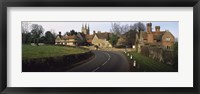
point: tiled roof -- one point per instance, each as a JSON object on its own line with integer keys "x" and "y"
{"x": 156, "y": 35}
{"x": 72, "y": 37}
{"x": 89, "y": 41}
{"x": 105, "y": 35}
{"x": 88, "y": 36}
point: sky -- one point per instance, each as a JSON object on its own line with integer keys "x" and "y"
{"x": 103, "y": 26}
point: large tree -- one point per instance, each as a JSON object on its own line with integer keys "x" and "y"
{"x": 26, "y": 38}
{"x": 119, "y": 29}
{"x": 175, "y": 54}
{"x": 73, "y": 32}
{"x": 139, "y": 26}
{"x": 37, "y": 31}
{"x": 49, "y": 38}
{"x": 116, "y": 28}
{"x": 25, "y": 27}
{"x": 26, "y": 35}
{"x": 113, "y": 39}
{"x": 130, "y": 37}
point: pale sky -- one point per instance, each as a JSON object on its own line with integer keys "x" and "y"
{"x": 103, "y": 26}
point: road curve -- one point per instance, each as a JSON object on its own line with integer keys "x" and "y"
{"x": 104, "y": 61}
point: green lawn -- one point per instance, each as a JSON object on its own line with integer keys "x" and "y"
{"x": 151, "y": 65}
{"x": 29, "y": 51}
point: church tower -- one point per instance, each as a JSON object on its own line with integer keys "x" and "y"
{"x": 85, "y": 29}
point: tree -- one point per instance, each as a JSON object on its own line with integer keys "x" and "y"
{"x": 116, "y": 28}
{"x": 49, "y": 38}
{"x": 127, "y": 33}
{"x": 131, "y": 37}
{"x": 66, "y": 33}
{"x": 175, "y": 54}
{"x": 37, "y": 31}
{"x": 42, "y": 39}
{"x": 26, "y": 35}
{"x": 26, "y": 38}
{"x": 113, "y": 39}
{"x": 73, "y": 32}
{"x": 53, "y": 32}
{"x": 138, "y": 27}
{"x": 25, "y": 27}
{"x": 124, "y": 28}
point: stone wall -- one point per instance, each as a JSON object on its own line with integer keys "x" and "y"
{"x": 159, "y": 54}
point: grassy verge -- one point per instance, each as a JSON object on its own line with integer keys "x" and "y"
{"x": 148, "y": 64}
{"x": 29, "y": 51}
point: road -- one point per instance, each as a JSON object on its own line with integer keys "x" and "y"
{"x": 104, "y": 61}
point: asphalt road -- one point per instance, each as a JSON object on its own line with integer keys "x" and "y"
{"x": 104, "y": 61}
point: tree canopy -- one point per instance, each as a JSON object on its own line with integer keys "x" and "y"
{"x": 37, "y": 31}
{"x": 113, "y": 39}
{"x": 139, "y": 26}
{"x": 49, "y": 38}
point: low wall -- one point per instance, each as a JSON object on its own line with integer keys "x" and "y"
{"x": 159, "y": 54}
{"x": 52, "y": 64}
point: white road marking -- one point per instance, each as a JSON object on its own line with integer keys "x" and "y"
{"x": 104, "y": 62}
{"x": 83, "y": 64}
{"x": 96, "y": 69}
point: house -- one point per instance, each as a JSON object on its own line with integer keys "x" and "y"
{"x": 89, "y": 38}
{"x": 71, "y": 40}
{"x": 60, "y": 40}
{"x": 84, "y": 38}
{"x": 102, "y": 39}
{"x": 154, "y": 38}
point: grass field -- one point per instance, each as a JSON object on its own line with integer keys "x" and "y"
{"x": 29, "y": 51}
{"x": 151, "y": 65}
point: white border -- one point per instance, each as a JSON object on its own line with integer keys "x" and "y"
{"x": 183, "y": 78}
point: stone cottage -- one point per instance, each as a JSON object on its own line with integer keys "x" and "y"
{"x": 102, "y": 39}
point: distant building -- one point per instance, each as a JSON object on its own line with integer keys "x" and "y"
{"x": 102, "y": 39}
{"x": 85, "y": 29}
{"x": 154, "y": 38}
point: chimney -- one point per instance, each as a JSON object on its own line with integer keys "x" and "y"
{"x": 157, "y": 28}
{"x": 149, "y": 28}
{"x": 60, "y": 34}
{"x": 94, "y": 32}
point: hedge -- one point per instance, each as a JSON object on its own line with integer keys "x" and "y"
{"x": 53, "y": 64}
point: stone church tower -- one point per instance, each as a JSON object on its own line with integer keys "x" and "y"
{"x": 85, "y": 29}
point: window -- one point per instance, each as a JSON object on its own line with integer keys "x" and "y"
{"x": 167, "y": 39}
